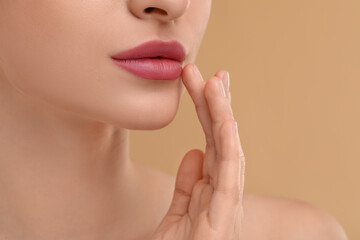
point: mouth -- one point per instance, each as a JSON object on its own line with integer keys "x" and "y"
{"x": 156, "y": 68}
{"x": 154, "y": 60}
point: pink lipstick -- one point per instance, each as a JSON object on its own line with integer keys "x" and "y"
{"x": 154, "y": 60}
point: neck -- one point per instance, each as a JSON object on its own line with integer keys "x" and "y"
{"x": 58, "y": 170}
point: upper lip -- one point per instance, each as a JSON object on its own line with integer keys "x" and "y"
{"x": 155, "y": 48}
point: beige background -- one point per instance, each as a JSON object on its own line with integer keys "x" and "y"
{"x": 294, "y": 71}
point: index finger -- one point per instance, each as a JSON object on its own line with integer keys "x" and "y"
{"x": 194, "y": 83}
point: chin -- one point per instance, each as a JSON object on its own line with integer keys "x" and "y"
{"x": 154, "y": 122}
{"x": 151, "y": 120}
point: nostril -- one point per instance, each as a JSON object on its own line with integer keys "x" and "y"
{"x": 149, "y": 9}
{"x": 153, "y": 9}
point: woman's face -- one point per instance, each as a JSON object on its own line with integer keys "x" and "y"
{"x": 59, "y": 52}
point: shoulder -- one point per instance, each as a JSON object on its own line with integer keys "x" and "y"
{"x": 270, "y": 218}
{"x": 283, "y": 218}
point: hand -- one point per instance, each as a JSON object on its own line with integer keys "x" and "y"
{"x": 207, "y": 201}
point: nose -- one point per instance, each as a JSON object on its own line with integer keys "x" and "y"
{"x": 161, "y": 10}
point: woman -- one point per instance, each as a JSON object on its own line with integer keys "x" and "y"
{"x": 75, "y": 77}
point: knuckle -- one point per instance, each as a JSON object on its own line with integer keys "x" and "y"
{"x": 242, "y": 165}
{"x": 182, "y": 192}
{"x": 236, "y": 196}
{"x": 199, "y": 106}
{"x": 241, "y": 157}
{"x": 228, "y": 123}
{"x": 231, "y": 121}
{"x": 232, "y": 193}
{"x": 210, "y": 141}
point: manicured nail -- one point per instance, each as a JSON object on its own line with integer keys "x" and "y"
{"x": 222, "y": 87}
{"x": 197, "y": 72}
{"x": 227, "y": 81}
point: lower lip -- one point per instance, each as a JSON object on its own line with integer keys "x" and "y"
{"x": 152, "y": 68}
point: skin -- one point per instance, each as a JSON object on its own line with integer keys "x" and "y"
{"x": 65, "y": 115}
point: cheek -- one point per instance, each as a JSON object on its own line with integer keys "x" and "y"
{"x": 56, "y": 51}
{"x": 35, "y": 41}
{"x": 196, "y": 21}
{"x": 46, "y": 51}
{"x": 95, "y": 89}
{"x": 60, "y": 59}
{"x": 202, "y": 10}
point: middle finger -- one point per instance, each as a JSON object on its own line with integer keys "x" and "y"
{"x": 219, "y": 107}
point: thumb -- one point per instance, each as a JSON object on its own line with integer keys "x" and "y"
{"x": 189, "y": 172}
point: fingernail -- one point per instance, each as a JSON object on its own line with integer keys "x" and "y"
{"x": 197, "y": 72}
{"x": 227, "y": 81}
{"x": 222, "y": 87}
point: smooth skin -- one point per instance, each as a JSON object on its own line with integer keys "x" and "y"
{"x": 65, "y": 115}
{"x": 207, "y": 202}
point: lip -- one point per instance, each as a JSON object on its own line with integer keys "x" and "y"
{"x": 154, "y": 60}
